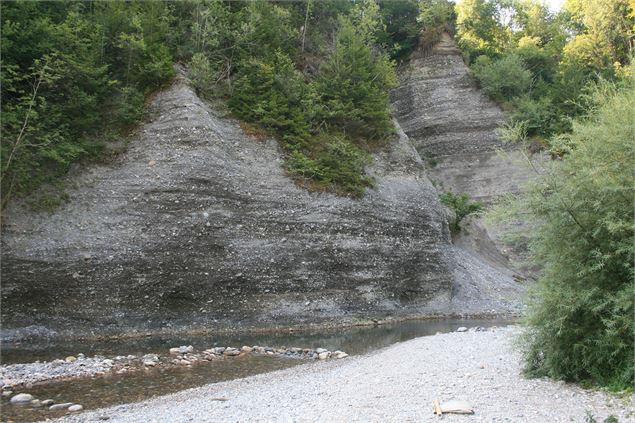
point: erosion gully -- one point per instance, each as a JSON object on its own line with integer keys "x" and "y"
{"x": 115, "y": 389}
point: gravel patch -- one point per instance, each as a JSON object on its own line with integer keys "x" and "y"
{"x": 25, "y": 374}
{"x": 395, "y": 384}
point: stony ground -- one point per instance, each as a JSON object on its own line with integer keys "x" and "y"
{"x": 395, "y": 384}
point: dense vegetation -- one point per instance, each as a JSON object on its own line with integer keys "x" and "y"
{"x": 539, "y": 65}
{"x": 566, "y": 81}
{"x": 316, "y": 74}
{"x": 581, "y": 324}
{"x": 74, "y": 76}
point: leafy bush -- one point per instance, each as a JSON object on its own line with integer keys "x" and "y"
{"x": 275, "y": 95}
{"x": 537, "y": 115}
{"x": 353, "y": 87}
{"x": 580, "y": 320}
{"x": 339, "y": 168}
{"x": 73, "y": 75}
{"x": 461, "y": 206}
{"x": 504, "y": 78}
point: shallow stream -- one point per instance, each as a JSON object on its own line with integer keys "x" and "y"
{"x": 118, "y": 389}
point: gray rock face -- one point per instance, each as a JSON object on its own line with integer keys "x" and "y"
{"x": 452, "y": 125}
{"x": 197, "y": 225}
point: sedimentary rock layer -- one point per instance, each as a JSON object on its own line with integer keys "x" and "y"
{"x": 197, "y": 225}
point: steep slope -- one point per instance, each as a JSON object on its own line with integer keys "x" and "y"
{"x": 197, "y": 225}
{"x": 453, "y": 127}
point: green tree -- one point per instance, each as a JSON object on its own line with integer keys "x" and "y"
{"x": 504, "y": 78}
{"x": 580, "y": 320}
{"x": 353, "y": 87}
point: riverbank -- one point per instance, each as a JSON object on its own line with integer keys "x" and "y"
{"x": 397, "y": 383}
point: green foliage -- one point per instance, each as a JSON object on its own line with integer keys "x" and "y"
{"x": 580, "y": 320}
{"x": 353, "y": 87}
{"x": 504, "y": 78}
{"x": 462, "y": 207}
{"x": 275, "y": 95}
{"x": 565, "y": 53}
{"x": 339, "y": 168}
{"x": 73, "y": 74}
{"x": 401, "y": 33}
{"x": 590, "y": 419}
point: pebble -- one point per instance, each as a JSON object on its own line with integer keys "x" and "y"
{"x": 462, "y": 329}
{"x": 70, "y": 359}
{"x": 186, "y": 349}
{"x": 62, "y": 406}
{"x": 47, "y": 402}
{"x": 21, "y": 399}
{"x": 76, "y": 407}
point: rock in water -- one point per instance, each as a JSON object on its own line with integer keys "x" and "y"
{"x": 62, "y": 406}
{"x": 462, "y": 329}
{"x": 21, "y": 399}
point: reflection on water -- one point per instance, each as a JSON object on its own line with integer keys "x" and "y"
{"x": 117, "y": 389}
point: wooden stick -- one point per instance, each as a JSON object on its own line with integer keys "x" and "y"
{"x": 437, "y": 407}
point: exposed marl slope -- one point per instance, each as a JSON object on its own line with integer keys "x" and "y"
{"x": 452, "y": 124}
{"x": 197, "y": 225}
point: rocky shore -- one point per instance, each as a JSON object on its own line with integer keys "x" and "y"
{"x": 17, "y": 379}
{"x": 394, "y": 384}
{"x": 22, "y": 376}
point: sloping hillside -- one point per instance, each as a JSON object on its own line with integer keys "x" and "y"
{"x": 197, "y": 226}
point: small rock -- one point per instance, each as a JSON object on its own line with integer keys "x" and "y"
{"x": 58, "y": 407}
{"x": 175, "y": 351}
{"x": 36, "y": 403}
{"x": 108, "y": 362}
{"x": 457, "y": 407}
{"x": 7, "y": 394}
{"x": 81, "y": 356}
{"x": 462, "y": 329}
{"x": 150, "y": 360}
{"x": 323, "y": 355}
{"x": 320, "y": 350}
{"x": 231, "y": 352}
{"x": 75, "y": 408}
{"x": 186, "y": 349}
{"x": 246, "y": 349}
{"x": 21, "y": 399}
{"x": 340, "y": 354}
{"x": 47, "y": 402}
{"x": 70, "y": 359}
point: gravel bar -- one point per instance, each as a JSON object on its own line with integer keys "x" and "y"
{"x": 394, "y": 384}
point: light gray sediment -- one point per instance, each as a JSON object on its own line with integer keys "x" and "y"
{"x": 395, "y": 384}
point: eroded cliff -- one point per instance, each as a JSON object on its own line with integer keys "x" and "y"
{"x": 197, "y": 226}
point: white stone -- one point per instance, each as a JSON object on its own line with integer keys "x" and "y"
{"x": 21, "y": 398}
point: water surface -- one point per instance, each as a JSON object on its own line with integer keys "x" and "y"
{"x": 118, "y": 389}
